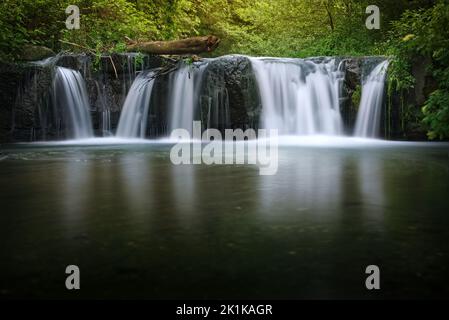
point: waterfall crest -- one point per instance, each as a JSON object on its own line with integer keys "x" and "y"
{"x": 69, "y": 92}
{"x": 295, "y": 96}
{"x": 134, "y": 115}
{"x": 370, "y": 109}
{"x": 299, "y": 97}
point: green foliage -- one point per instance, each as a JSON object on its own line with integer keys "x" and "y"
{"x": 436, "y": 112}
{"x": 106, "y": 24}
{"x": 294, "y": 28}
{"x": 357, "y": 96}
{"x": 424, "y": 33}
{"x": 138, "y": 60}
{"x": 28, "y": 22}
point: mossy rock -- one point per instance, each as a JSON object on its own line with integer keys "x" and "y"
{"x": 35, "y": 53}
{"x": 356, "y": 97}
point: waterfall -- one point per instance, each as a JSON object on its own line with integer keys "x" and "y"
{"x": 105, "y": 110}
{"x": 134, "y": 115}
{"x": 368, "y": 116}
{"x": 184, "y": 86}
{"x": 69, "y": 92}
{"x": 218, "y": 113}
{"x": 299, "y": 97}
{"x": 106, "y": 122}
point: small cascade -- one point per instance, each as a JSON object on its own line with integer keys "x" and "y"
{"x": 70, "y": 94}
{"x": 299, "y": 97}
{"x": 218, "y": 113}
{"x": 368, "y": 116}
{"x": 296, "y": 96}
{"x": 130, "y": 70}
{"x": 105, "y": 121}
{"x": 184, "y": 87}
{"x": 134, "y": 115}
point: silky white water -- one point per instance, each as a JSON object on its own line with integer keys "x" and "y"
{"x": 183, "y": 96}
{"x": 134, "y": 115}
{"x": 368, "y": 116}
{"x": 299, "y": 97}
{"x": 70, "y": 94}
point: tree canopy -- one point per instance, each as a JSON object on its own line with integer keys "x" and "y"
{"x": 259, "y": 27}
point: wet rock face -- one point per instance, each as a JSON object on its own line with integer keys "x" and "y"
{"x": 352, "y": 84}
{"x": 10, "y": 79}
{"x": 158, "y": 113}
{"x": 228, "y": 95}
{"x": 27, "y": 112}
{"x": 356, "y": 70}
{"x": 229, "y": 89}
{"x": 353, "y": 73}
{"x": 24, "y": 101}
{"x": 393, "y": 113}
{"x": 108, "y": 82}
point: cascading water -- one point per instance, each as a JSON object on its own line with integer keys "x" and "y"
{"x": 218, "y": 113}
{"x": 105, "y": 110}
{"x": 299, "y": 97}
{"x": 183, "y": 95}
{"x": 134, "y": 115}
{"x": 368, "y": 117}
{"x": 69, "y": 92}
{"x": 295, "y": 96}
{"x": 106, "y": 122}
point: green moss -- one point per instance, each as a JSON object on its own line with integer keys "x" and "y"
{"x": 356, "y": 97}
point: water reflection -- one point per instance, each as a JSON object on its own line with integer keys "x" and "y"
{"x": 307, "y": 182}
{"x": 183, "y": 190}
{"x": 191, "y": 231}
{"x": 323, "y": 183}
{"x": 135, "y": 180}
{"x": 371, "y": 184}
{"x": 75, "y": 192}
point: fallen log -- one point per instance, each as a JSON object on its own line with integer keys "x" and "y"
{"x": 193, "y": 45}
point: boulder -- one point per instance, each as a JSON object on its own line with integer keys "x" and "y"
{"x": 35, "y": 53}
{"x": 230, "y": 90}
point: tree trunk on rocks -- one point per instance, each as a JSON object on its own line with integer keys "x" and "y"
{"x": 185, "y": 46}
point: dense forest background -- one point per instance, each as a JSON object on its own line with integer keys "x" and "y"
{"x": 410, "y": 30}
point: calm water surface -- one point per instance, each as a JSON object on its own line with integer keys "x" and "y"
{"x": 140, "y": 227}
